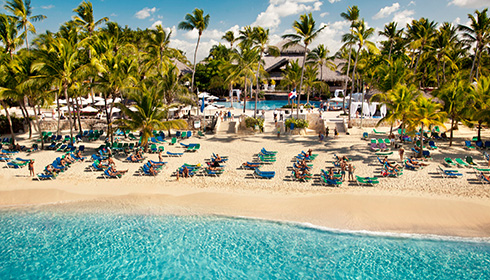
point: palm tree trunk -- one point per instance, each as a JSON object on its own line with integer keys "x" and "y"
{"x": 352, "y": 89}
{"x": 478, "y": 64}
{"x": 39, "y": 126}
{"x": 389, "y": 53}
{"x": 65, "y": 87}
{"x": 258, "y": 86}
{"x": 437, "y": 73}
{"x": 25, "y": 114}
{"x": 245, "y": 95}
{"x": 417, "y": 61}
{"x": 27, "y": 42}
{"x": 231, "y": 91}
{"x": 473, "y": 65}
{"x": 78, "y": 117}
{"x": 451, "y": 134}
{"x": 421, "y": 152}
{"x": 346, "y": 82}
{"x": 194, "y": 69}
{"x": 301, "y": 81}
{"x": 444, "y": 71}
{"x": 59, "y": 114}
{"x": 7, "y": 114}
{"x": 108, "y": 119}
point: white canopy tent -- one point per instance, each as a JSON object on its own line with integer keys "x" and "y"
{"x": 89, "y": 109}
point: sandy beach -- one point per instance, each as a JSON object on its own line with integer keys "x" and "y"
{"x": 420, "y": 202}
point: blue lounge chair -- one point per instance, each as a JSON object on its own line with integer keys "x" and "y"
{"x": 446, "y": 173}
{"x": 330, "y": 182}
{"x": 170, "y": 154}
{"x": 263, "y": 174}
{"x": 43, "y": 176}
{"x": 479, "y": 144}
{"x": 107, "y": 175}
{"x": 467, "y": 144}
{"x": 265, "y": 152}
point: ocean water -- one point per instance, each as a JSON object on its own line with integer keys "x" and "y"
{"x": 47, "y": 244}
{"x": 265, "y": 104}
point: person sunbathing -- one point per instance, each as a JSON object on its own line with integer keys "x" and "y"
{"x": 69, "y": 159}
{"x": 308, "y": 153}
{"x": 51, "y": 169}
{"x": 302, "y": 164}
{"x": 486, "y": 177}
{"x": 110, "y": 161}
{"x": 152, "y": 171}
{"x": 139, "y": 155}
{"x": 217, "y": 158}
{"x": 133, "y": 158}
{"x": 113, "y": 172}
{"x": 215, "y": 164}
{"x": 416, "y": 162}
{"x": 214, "y": 168}
{"x": 63, "y": 162}
{"x": 391, "y": 165}
{"x": 301, "y": 174}
{"x": 331, "y": 173}
{"x": 79, "y": 155}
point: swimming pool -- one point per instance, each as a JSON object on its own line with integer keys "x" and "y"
{"x": 265, "y": 104}
{"x": 39, "y": 243}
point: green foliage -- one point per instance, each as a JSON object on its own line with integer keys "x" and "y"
{"x": 252, "y": 122}
{"x": 294, "y": 105}
{"x": 17, "y": 124}
{"x": 298, "y": 123}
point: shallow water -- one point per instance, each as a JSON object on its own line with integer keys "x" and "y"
{"x": 45, "y": 243}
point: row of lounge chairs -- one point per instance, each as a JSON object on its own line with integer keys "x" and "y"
{"x": 52, "y": 170}
{"x": 264, "y": 157}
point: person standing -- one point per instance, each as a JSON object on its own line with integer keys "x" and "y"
{"x": 327, "y": 130}
{"x": 335, "y": 132}
{"x": 31, "y": 168}
{"x": 401, "y": 152}
{"x": 281, "y": 115}
{"x": 351, "y": 168}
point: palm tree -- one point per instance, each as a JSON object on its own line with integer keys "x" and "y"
{"x": 425, "y": 113}
{"x": 85, "y": 17}
{"x": 320, "y": 56}
{"x": 421, "y": 32}
{"x": 158, "y": 48}
{"x": 351, "y": 15}
{"x": 8, "y": 34}
{"x": 306, "y": 32}
{"x": 392, "y": 34}
{"x": 477, "y": 33}
{"x": 260, "y": 39}
{"x": 444, "y": 41}
{"x": 150, "y": 114}
{"x": 311, "y": 81}
{"x": 399, "y": 104}
{"x": 291, "y": 77}
{"x": 60, "y": 63}
{"x": 230, "y": 38}
{"x": 22, "y": 11}
{"x": 197, "y": 21}
{"x": 455, "y": 96}
{"x": 480, "y": 109}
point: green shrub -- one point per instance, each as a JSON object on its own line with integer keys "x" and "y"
{"x": 17, "y": 124}
{"x": 294, "y": 105}
{"x": 252, "y": 122}
{"x": 298, "y": 123}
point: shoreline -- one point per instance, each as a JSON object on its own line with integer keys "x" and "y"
{"x": 353, "y": 213}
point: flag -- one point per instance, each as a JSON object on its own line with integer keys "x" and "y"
{"x": 202, "y": 104}
{"x": 292, "y": 94}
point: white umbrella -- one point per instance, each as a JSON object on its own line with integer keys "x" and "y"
{"x": 100, "y": 103}
{"x": 98, "y": 98}
{"x": 203, "y": 94}
{"x": 89, "y": 109}
{"x": 212, "y": 97}
{"x": 116, "y": 110}
{"x": 132, "y": 108}
{"x": 64, "y": 108}
{"x": 210, "y": 107}
{"x": 62, "y": 101}
{"x": 336, "y": 99}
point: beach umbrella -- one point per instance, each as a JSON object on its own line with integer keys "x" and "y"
{"x": 132, "y": 108}
{"x": 210, "y": 107}
{"x": 212, "y": 97}
{"x": 100, "y": 103}
{"x": 98, "y": 98}
{"x": 62, "y": 101}
{"x": 89, "y": 109}
{"x": 336, "y": 99}
{"x": 64, "y": 108}
{"x": 116, "y": 110}
{"x": 203, "y": 95}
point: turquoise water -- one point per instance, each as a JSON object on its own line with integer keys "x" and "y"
{"x": 54, "y": 244}
{"x": 266, "y": 104}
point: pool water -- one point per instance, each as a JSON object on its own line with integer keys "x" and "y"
{"x": 265, "y": 104}
{"x": 54, "y": 244}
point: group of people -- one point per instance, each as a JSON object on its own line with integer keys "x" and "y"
{"x": 322, "y": 136}
{"x": 302, "y": 170}
{"x": 345, "y": 167}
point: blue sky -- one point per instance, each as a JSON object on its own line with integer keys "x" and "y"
{"x": 277, "y": 15}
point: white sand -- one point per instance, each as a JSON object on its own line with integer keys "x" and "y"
{"x": 417, "y": 202}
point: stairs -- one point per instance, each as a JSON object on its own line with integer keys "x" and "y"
{"x": 226, "y": 127}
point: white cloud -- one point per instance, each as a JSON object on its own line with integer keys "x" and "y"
{"x": 113, "y": 15}
{"x": 386, "y": 11}
{"x": 324, "y": 14}
{"x": 155, "y": 24}
{"x": 333, "y": 1}
{"x": 331, "y": 36}
{"x": 189, "y": 47}
{"x": 403, "y": 17}
{"x": 206, "y": 34}
{"x": 278, "y": 9}
{"x": 47, "y": 7}
{"x": 457, "y": 21}
{"x": 470, "y": 3}
{"x": 145, "y": 12}
{"x": 411, "y": 3}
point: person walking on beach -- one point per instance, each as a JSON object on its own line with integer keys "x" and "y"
{"x": 351, "y": 168}
{"x": 278, "y": 129}
{"x": 335, "y": 133}
{"x": 31, "y": 168}
{"x": 401, "y": 152}
{"x": 327, "y": 130}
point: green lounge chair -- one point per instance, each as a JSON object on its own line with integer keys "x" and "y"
{"x": 304, "y": 178}
{"x": 461, "y": 162}
{"x": 193, "y": 148}
{"x": 449, "y": 162}
{"x": 161, "y": 148}
{"x": 378, "y": 132}
{"x": 470, "y": 161}
{"x": 367, "y": 181}
{"x": 174, "y": 140}
{"x": 200, "y": 134}
{"x": 330, "y": 182}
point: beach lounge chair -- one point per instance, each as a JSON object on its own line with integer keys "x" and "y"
{"x": 173, "y": 141}
{"x": 200, "y": 134}
{"x": 214, "y": 173}
{"x": 266, "y": 152}
{"x": 43, "y": 176}
{"x": 266, "y": 159}
{"x": 193, "y": 148}
{"x": 469, "y": 160}
{"x": 467, "y": 144}
{"x": 183, "y": 135}
{"x": 479, "y": 144}
{"x": 251, "y": 165}
{"x": 461, "y": 162}
{"x": 366, "y": 181}
{"x": 301, "y": 178}
{"x": 129, "y": 159}
{"x": 449, "y": 162}
{"x": 365, "y": 136}
{"x": 482, "y": 178}
{"x": 174, "y": 154}
{"x": 16, "y": 164}
{"x": 94, "y": 166}
{"x": 487, "y": 144}
{"x": 432, "y": 145}
{"x": 107, "y": 175}
{"x": 153, "y": 148}
{"x": 378, "y": 132}
{"x": 263, "y": 174}
{"x": 4, "y": 159}
{"x": 330, "y": 182}
{"x": 446, "y": 173}
{"x": 374, "y": 147}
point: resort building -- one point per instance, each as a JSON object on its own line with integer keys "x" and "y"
{"x": 275, "y": 66}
